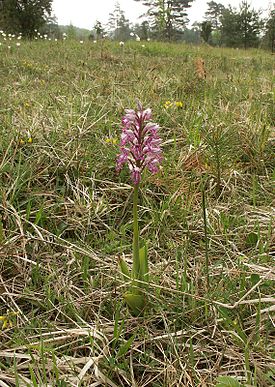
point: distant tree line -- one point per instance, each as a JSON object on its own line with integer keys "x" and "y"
{"x": 164, "y": 20}
{"x": 241, "y": 27}
{"x": 222, "y": 26}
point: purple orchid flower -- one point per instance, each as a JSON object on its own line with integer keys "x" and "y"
{"x": 140, "y": 143}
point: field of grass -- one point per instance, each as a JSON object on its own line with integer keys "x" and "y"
{"x": 66, "y": 217}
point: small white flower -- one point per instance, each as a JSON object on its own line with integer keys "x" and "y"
{"x": 148, "y": 39}
{"x": 18, "y": 44}
{"x": 64, "y": 34}
{"x": 143, "y": 45}
{"x": 121, "y": 44}
{"x": 132, "y": 34}
{"x": 81, "y": 42}
{"x": 9, "y": 47}
{"x": 19, "y": 37}
{"x": 36, "y": 38}
{"x": 49, "y": 39}
{"x": 55, "y": 40}
{"x": 94, "y": 41}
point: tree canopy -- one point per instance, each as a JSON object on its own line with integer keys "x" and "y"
{"x": 24, "y": 16}
{"x": 270, "y": 30}
{"x": 118, "y": 24}
{"x": 240, "y": 28}
{"x": 168, "y": 17}
{"x": 214, "y": 13}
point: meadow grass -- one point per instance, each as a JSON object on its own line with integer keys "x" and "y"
{"x": 66, "y": 217}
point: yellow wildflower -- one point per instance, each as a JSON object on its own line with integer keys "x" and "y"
{"x": 168, "y": 104}
{"x": 25, "y": 138}
{"x": 179, "y": 104}
{"x": 6, "y": 320}
{"x": 111, "y": 140}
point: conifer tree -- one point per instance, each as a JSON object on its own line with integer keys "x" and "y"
{"x": 168, "y": 17}
{"x": 206, "y": 29}
{"x": 249, "y": 25}
{"x": 241, "y": 28}
{"x": 214, "y": 13}
{"x": 118, "y": 24}
{"x": 270, "y": 30}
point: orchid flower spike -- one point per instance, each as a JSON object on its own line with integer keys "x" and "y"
{"x": 140, "y": 145}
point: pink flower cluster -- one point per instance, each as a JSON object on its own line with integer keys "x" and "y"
{"x": 140, "y": 143}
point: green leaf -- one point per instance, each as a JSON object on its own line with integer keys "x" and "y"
{"x": 136, "y": 303}
{"x": 126, "y": 346}
{"x": 33, "y": 377}
{"x": 233, "y": 324}
{"x": 118, "y": 327}
{"x": 124, "y": 269}
{"x": 227, "y": 381}
{"x": 251, "y": 239}
{"x": 39, "y": 216}
{"x": 254, "y": 278}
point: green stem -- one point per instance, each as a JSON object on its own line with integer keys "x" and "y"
{"x": 205, "y": 236}
{"x": 136, "y": 267}
{"x": 218, "y": 164}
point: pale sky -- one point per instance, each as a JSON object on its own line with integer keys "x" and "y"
{"x": 84, "y": 13}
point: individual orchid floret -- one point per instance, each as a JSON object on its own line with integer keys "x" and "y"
{"x": 140, "y": 145}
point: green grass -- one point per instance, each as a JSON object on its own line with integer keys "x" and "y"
{"x": 66, "y": 216}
